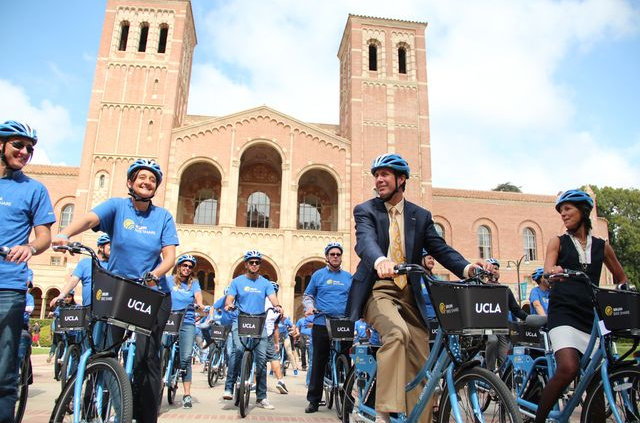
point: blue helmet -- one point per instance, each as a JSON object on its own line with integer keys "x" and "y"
{"x": 187, "y": 257}
{"x": 11, "y": 128}
{"x": 206, "y": 309}
{"x": 392, "y": 161}
{"x": 424, "y": 252}
{"x": 574, "y": 196}
{"x": 150, "y": 165}
{"x": 332, "y": 245}
{"x": 275, "y": 285}
{"x": 493, "y": 261}
{"x": 537, "y": 274}
{"x": 103, "y": 239}
{"x": 252, "y": 254}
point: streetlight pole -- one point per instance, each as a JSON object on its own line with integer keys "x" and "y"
{"x": 517, "y": 263}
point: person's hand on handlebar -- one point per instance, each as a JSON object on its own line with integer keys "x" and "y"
{"x": 386, "y": 269}
{"x": 309, "y": 311}
{"x": 480, "y": 266}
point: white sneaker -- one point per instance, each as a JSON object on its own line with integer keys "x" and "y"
{"x": 228, "y": 395}
{"x": 264, "y": 403}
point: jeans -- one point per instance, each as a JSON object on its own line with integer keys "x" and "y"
{"x": 187, "y": 336}
{"x": 11, "y": 320}
{"x": 260, "y": 360}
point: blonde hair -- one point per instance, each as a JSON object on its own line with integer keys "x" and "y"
{"x": 177, "y": 280}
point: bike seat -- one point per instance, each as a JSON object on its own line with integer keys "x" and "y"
{"x": 536, "y": 321}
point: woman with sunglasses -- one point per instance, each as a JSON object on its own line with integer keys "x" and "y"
{"x": 185, "y": 292}
{"x": 143, "y": 241}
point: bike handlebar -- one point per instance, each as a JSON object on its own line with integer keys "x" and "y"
{"x": 4, "y": 250}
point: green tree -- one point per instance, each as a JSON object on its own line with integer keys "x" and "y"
{"x": 621, "y": 207}
{"x": 507, "y": 187}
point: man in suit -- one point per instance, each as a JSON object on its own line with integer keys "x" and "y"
{"x": 391, "y": 230}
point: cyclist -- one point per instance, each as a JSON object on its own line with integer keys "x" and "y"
{"x": 428, "y": 262}
{"x": 539, "y": 296}
{"x": 143, "y": 243}
{"x": 273, "y": 338}
{"x": 570, "y": 313}
{"x": 391, "y": 230}
{"x": 248, "y": 291}
{"x": 327, "y": 292}
{"x": 304, "y": 333}
{"x": 360, "y": 330}
{"x": 57, "y": 337}
{"x": 290, "y": 332}
{"x": 24, "y": 205}
{"x": 82, "y": 272}
{"x": 185, "y": 291}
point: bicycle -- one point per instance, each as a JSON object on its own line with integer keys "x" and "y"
{"x": 217, "y": 359}
{"x": 72, "y": 322}
{"x": 25, "y": 375}
{"x": 100, "y": 389}
{"x": 603, "y": 373}
{"x": 170, "y": 356}
{"x": 466, "y": 311}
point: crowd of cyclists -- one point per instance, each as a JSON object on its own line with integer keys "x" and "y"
{"x": 138, "y": 241}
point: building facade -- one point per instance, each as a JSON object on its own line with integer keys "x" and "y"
{"x": 260, "y": 179}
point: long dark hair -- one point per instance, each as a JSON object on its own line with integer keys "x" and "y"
{"x": 585, "y": 212}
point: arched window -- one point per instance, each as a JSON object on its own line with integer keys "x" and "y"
{"x": 206, "y": 208}
{"x": 373, "y": 57}
{"x": 402, "y": 60}
{"x": 258, "y": 207}
{"x": 162, "y": 41}
{"x": 144, "y": 34}
{"x": 439, "y": 229}
{"x": 484, "y": 242}
{"x": 101, "y": 181}
{"x": 66, "y": 215}
{"x": 309, "y": 213}
{"x": 529, "y": 241}
{"x": 124, "y": 35}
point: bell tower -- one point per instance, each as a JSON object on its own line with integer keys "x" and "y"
{"x": 383, "y": 101}
{"x": 140, "y": 92}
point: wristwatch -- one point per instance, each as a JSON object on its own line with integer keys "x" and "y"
{"x": 33, "y": 249}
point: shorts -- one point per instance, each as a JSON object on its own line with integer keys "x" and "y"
{"x": 272, "y": 355}
{"x": 569, "y": 337}
{"x": 36, "y": 337}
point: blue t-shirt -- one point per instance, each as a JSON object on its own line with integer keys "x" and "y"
{"x": 24, "y": 203}
{"x": 227, "y": 317}
{"x": 303, "y": 325}
{"x": 375, "y": 338}
{"x": 249, "y": 294}
{"x": 137, "y": 238}
{"x": 431, "y": 313}
{"x": 361, "y": 329}
{"x": 182, "y": 297}
{"x": 28, "y": 302}
{"x": 83, "y": 272}
{"x": 538, "y": 294}
{"x": 330, "y": 290}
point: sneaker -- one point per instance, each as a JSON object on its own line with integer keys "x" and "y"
{"x": 253, "y": 387}
{"x": 295, "y": 372}
{"x": 228, "y": 395}
{"x": 264, "y": 403}
{"x": 186, "y": 401}
{"x": 281, "y": 387}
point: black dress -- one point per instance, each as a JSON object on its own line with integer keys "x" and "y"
{"x": 570, "y": 299}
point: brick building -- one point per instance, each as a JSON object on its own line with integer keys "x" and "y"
{"x": 260, "y": 179}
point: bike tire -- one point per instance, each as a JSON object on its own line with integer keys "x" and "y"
{"x": 342, "y": 368}
{"x": 57, "y": 358}
{"x": 478, "y": 381}
{"x": 116, "y": 396}
{"x": 625, "y": 384}
{"x": 350, "y": 396}
{"x": 164, "y": 363}
{"x": 172, "y": 389}
{"x": 23, "y": 386}
{"x": 244, "y": 389}
{"x": 506, "y": 375}
{"x": 213, "y": 374}
{"x": 69, "y": 364}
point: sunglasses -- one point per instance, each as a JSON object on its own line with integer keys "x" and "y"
{"x": 254, "y": 263}
{"x": 335, "y": 254}
{"x": 188, "y": 266}
{"x": 19, "y": 145}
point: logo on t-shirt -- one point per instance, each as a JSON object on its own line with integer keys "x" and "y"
{"x": 251, "y": 289}
{"x": 4, "y": 203}
{"x": 334, "y": 282}
{"x": 131, "y": 226}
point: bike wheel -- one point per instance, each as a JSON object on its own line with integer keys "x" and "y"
{"x": 244, "y": 389}
{"x": 105, "y": 395}
{"x": 471, "y": 388}
{"x": 328, "y": 386}
{"x": 69, "y": 363}
{"x": 625, "y": 385}
{"x": 350, "y": 396}
{"x": 506, "y": 374}
{"x": 213, "y": 373}
{"x": 173, "y": 380}
{"x": 23, "y": 387}
{"x": 342, "y": 368}
{"x": 57, "y": 357}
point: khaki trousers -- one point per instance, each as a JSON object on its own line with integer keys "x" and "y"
{"x": 292, "y": 354}
{"x": 405, "y": 346}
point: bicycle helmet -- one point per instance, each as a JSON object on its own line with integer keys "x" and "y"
{"x": 493, "y": 261}
{"x": 537, "y": 274}
{"x": 103, "y": 239}
{"x": 574, "y": 196}
{"x": 11, "y": 128}
{"x": 206, "y": 309}
{"x": 424, "y": 252}
{"x": 150, "y": 165}
{"x": 332, "y": 245}
{"x": 252, "y": 254}
{"x": 187, "y": 257}
{"x": 392, "y": 161}
{"x": 275, "y": 285}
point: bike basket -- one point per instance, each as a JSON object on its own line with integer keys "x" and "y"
{"x": 434, "y": 325}
{"x": 470, "y": 309}
{"x": 340, "y": 329}
{"x": 620, "y": 310}
{"x": 219, "y": 332}
{"x": 174, "y": 322}
{"x": 521, "y": 334}
{"x": 73, "y": 318}
{"x": 251, "y": 326}
{"x": 56, "y": 326}
{"x": 124, "y": 302}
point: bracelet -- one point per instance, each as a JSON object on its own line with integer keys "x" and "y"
{"x": 33, "y": 249}
{"x": 62, "y": 236}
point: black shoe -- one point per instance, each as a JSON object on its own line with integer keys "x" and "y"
{"x": 311, "y": 408}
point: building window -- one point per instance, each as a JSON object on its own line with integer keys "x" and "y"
{"x": 144, "y": 34}
{"x": 258, "y": 206}
{"x": 309, "y": 213}
{"x": 124, "y": 35}
{"x": 484, "y": 242}
{"x": 373, "y": 57}
{"x": 439, "y": 229}
{"x": 101, "y": 181}
{"x": 206, "y": 208}
{"x": 402, "y": 60}
{"x": 57, "y": 261}
{"x": 529, "y": 240}
{"x": 162, "y": 42}
{"x": 66, "y": 215}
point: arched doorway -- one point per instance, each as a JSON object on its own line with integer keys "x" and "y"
{"x": 37, "y": 299}
{"x": 51, "y": 294}
{"x": 303, "y": 276}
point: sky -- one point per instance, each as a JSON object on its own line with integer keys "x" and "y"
{"x": 543, "y": 94}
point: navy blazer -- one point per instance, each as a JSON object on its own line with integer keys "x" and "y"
{"x": 372, "y": 242}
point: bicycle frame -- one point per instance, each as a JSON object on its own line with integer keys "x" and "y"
{"x": 169, "y": 374}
